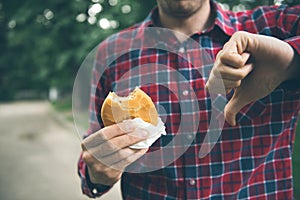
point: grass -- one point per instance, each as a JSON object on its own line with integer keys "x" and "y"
{"x": 64, "y": 106}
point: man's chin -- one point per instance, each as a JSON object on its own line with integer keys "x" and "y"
{"x": 183, "y": 9}
{"x": 182, "y": 13}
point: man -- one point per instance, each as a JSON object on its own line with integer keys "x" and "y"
{"x": 252, "y": 158}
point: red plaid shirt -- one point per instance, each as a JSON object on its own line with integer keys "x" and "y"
{"x": 251, "y": 160}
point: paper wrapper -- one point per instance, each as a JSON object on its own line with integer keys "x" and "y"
{"x": 154, "y": 132}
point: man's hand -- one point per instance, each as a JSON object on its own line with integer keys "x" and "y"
{"x": 272, "y": 62}
{"x": 107, "y": 151}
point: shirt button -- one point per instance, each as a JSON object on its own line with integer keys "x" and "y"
{"x": 185, "y": 92}
{"x": 189, "y": 136}
{"x": 94, "y": 191}
{"x": 181, "y": 50}
{"x": 192, "y": 182}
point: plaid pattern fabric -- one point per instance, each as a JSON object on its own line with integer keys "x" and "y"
{"x": 251, "y": 160}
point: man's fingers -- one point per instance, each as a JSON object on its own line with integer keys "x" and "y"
{"x": 239, "y": 99}
{"x": 231, "y": 109}
{"x": 120, "y": 159}
{"x": 234, "y": 52}
{"x": 229, "y": 84}
{"x": 117, "y": 143}
{"x": 238, "y": 42}
{"x": 215, "y": 86}
{"x": 228, "y": 78}
{"x": 121, "y": 165}
{"x": 118, "y": 129}
{"x": 108, "y": 133}
{"x": 117, "y": 156}
{"x": 230, "y": 113}
{"x": 93, "y": 140}
{"x": 134, "y": 137}
{"x": 234, "y": 74}
{"x": 234, "y": 59}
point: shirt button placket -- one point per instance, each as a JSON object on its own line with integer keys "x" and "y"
{"x": 182, "y": 53}
{"x": 185, "y": 92}
{"x": 192, "y": 182}
{"x": 189, "y": 137}
{"x": 191, "y": 190}
{"x": 181, "y": 50}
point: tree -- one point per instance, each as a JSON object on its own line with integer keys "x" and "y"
{"x": 43, "y": 44}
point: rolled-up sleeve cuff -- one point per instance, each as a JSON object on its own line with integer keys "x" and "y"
{"x": 293, "y": 86}
{"x": 96, "y": 189}
{"x": 294, "y": 42}
{"x": 88, "y": 188}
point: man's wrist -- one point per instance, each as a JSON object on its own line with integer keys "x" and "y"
{"x": 96, "y": 189}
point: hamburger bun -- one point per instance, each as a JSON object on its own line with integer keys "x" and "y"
{"x": 115, "y": 109}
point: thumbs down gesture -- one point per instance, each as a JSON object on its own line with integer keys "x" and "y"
{"x": 253, "y": 65}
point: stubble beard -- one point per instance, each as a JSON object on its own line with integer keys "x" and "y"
{"x": 180, "y": 9}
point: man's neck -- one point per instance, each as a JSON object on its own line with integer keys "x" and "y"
{"x": 199, "y": 21}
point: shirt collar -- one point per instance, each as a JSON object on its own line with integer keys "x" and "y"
{"x": 222, "y": 20}
{"x": 148, "y": 22}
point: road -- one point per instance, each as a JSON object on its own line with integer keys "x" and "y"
{"x": 39, "y": 151}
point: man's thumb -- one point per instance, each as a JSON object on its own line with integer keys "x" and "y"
{"x": 235, "y": 104}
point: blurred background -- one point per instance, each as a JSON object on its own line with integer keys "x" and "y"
{"x": 42, "y": 45}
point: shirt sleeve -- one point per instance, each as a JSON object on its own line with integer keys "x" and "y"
{"x": 279, "y": 21}
{"x": 292, "y": 86}
{"x": 289, "y": 23}
{"x": 282, "y": 22}
{"x": 88, "y": 188}
{"x": 295, "y": 43}
{"x": 99, "y": 90}
{"x": 288, "y": 27}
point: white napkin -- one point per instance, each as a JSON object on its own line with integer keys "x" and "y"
{"x": 154, "y": 132}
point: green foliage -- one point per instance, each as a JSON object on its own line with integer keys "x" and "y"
{"x": 42, "y": 44}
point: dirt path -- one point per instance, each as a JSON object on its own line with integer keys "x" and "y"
{"x": 39, "y": 152}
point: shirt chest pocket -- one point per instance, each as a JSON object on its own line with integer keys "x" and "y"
{"x": 248, "y": 113}
{"x": 252, "y": 111}
{"x": 262, "y": 107}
